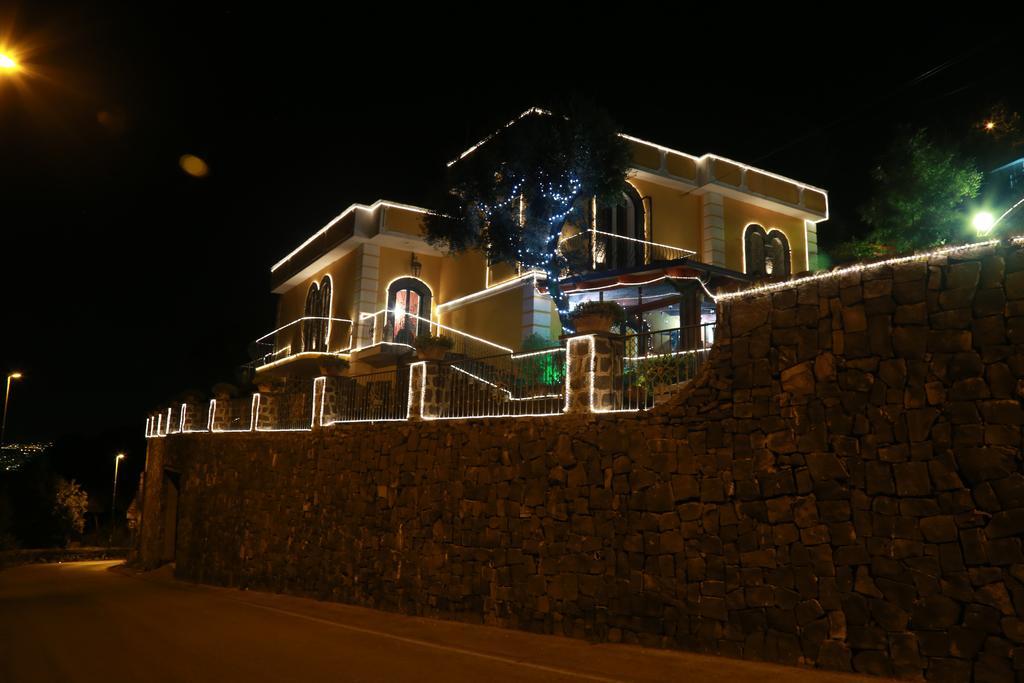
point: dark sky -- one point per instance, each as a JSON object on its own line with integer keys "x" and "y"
{"x": 126, "y": 281}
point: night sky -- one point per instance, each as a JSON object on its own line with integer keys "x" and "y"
{"x": 126, "y": 281}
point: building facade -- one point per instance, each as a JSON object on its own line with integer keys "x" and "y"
{"x": 358, "y": 291}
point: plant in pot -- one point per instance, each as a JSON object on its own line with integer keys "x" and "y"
{"x": 432, "y": 347}
{"x": 597, "y": 316}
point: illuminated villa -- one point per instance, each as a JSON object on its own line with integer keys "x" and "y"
{"x": 357, "y": 292}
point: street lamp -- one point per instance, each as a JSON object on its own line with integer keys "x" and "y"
{"x": 983, "y": 222}
{"x": 7, "y": 397}
{"x": 113, "y": 503}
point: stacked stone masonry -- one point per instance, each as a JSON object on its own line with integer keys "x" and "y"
{"x": 840, "y": 487}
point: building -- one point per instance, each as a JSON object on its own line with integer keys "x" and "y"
{"x": 353, "y": 296}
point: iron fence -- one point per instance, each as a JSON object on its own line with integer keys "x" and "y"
{"x": 197, "y": 417}
{"x": 502, "y": 385}
{"x": 375, "y": 396}
{"x": 289, "y": 410}
{"x": 654, "y": 363}
{"x": 232, "y": 414}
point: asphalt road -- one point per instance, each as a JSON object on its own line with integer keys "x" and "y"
{"x": 85, "y": 622}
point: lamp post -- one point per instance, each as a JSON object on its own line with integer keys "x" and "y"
{"x": 113, "y": 502}
{"x": 7, "y": 397}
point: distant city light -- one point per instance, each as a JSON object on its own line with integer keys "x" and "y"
{"x": 990, "y": 125}
{"x": 193, "y": 165}
{"x": 983, "y": 222}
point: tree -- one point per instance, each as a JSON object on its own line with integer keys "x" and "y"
{"x": 920, "y": 190}
{"x": 70, "y": 507}
{"x": 512, "y": 197}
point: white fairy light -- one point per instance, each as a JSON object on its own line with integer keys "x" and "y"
{"x": 860, "y": 267}
{"x": 369, "y": 209}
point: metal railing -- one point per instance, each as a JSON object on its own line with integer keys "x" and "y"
{"x": 654, "y": 363}
{"x": 197, "y": 417}
{"x": 401, "y": 328}
{"x": 503, "y": 385}
{"x": 593, "y": 250}
{"x": 310, "y": 334}
{"x": 372, "y": 397}
{"x": 232, "y": 414}
{"x": 290, "y": 410}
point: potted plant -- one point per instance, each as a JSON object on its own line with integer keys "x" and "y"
{"x": 432, "y": 347}
{"x": 597, "y": 316}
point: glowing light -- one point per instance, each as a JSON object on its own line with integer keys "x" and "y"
{"x": 193, "y": 165}
{"x": 983, "y": 222}
{"x": 369, "y": 209}
{"x": 839, "y": 272}
{"x": 687, "y": 252}
{"x": 492, "y": 290}
{"x": 531, "y": 110}
{"x": 8, "y": 62}
{"x": 363, "y": 316}
{"x": 990, "y": 125}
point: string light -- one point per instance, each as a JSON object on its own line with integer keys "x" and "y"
{"x": 369, "y": 209}
{"x": 860, "y": 267}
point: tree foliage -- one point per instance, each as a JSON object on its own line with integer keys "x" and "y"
{"x": 70, "y": 506}
{"x": 920, "y": 190}
{"x": 512, "y": 196}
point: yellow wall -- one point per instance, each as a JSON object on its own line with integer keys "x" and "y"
{"x": 394, "y": 263}
{"x": 497, "y": 318}
{"x": 676, "y": 215}
{"x": 739, "y": 214}
{"x": 462, "y": 274}
{"x": 402, "y": 220}
{"x": 292, "y": 304}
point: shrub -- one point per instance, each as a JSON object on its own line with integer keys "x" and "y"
{"x": 426, "y": 340}
{"x": 603, "y": 308}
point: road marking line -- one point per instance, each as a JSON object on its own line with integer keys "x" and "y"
{"x": 436, "y": 646}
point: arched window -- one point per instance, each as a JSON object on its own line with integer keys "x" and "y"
{"x": 766, "y": 253}
{"x": 408, "y": 309}
{"x": 310, "y": 331}
{"x": 625, "y": 219}
{"x": 323, "y": 327}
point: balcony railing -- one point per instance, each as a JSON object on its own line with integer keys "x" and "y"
{"x": 401, "y": 328}
{"x": 636, "y": 372}
{"x": 374, "y": 397}
{"x": 504, "y": 385}
{"x": 310, "y": 334}
{"x": 653, "y": 363}
{"x": 595, "y": 250}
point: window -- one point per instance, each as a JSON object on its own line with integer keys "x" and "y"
{"x": 310, "y": 337}
{"x": 408, "y": 308}
{"x": 766, "y": 254}
{"x": 626, "y": 220}
{"x": 315, "y": 323}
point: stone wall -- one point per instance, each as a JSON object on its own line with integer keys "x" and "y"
{"x": 840, "y": 487}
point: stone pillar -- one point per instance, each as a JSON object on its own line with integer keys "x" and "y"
{"x": 426, "y": 390}
{"x": 192, "y": 414}
{"x": 594, "y": 378}
{"x": 712, "y": 229}
{"x": 267, "y": 412}
{"x": 220, "y": 413}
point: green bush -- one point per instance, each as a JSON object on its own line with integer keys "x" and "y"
{"x": 605, "y": 308}
{"x": 426, "y": 340}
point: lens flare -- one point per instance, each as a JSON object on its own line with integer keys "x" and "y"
{"x": 193, "y": 165}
